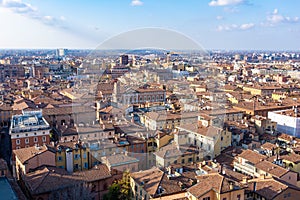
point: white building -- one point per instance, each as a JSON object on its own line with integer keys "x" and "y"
{"x": 288, "y": 121}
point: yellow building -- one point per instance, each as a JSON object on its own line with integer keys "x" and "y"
{"x": 72, "y": 157}
{"x": 278, "y": 96}
{"x": 263, "y": 90}
{"x": 291, "y": 161}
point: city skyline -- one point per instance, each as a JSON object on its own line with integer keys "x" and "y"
{"x": 215, "y": 24}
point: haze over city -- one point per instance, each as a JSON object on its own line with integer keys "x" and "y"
{"x": 150, "y": 100}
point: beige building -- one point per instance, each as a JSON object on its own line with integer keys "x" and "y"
{"x": 121, "y": 162}
{"x": 175, "y": 154}
{"x": 211, "y": 139}
{"x": 30, "y": 158}
{"x": 215, "y": 187}
{"x": 168, "y": 120}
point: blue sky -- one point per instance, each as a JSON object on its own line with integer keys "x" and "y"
{"x": 215, "y": 24}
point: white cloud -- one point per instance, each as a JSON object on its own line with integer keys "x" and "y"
{"x": 276, "y": 18}
{"x": 246, "y": 26}
{"x": 225, "y": 2}
{"x": 27, "y": 10}
{"x": 219, "y": 17}
{"x": 231, "y": 9}
{"x": 18, "y": 6}
{"x": 62, "y": 18}
{"x": 136, "y": 3}
{"x": 233, "y": 27}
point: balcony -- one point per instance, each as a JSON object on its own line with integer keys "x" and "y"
{"x": 246, "y": 168}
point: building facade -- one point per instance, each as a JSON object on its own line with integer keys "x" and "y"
{"x": 29, "y": 129}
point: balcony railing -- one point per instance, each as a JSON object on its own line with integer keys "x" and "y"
{"x": 245, "y": 168}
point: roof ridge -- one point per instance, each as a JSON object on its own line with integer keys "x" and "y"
{"x": 221, "y": 183}
{"x": 163, "y": 173}
{"x": 43, "y": 178}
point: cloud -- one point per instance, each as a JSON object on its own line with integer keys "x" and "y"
{"x": 136, "y": 3}
{"x": 233, "y": 27}
{"x": 246, "y": 26}
{"x": 29, "y": 11}
{"x": 225, "y": 2}
{"x": 276, "y": 18}
{"x": 219, "y": 17}
{"x": 231, "y": 9}
{"x": 18, "y": 6}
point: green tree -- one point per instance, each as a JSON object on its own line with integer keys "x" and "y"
{"x": 120, "y": 190}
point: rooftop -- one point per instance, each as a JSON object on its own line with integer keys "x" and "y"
{"x": 28, "y": 121}
{"x": 25, "y": 154}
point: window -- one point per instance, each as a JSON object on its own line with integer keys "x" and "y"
{"x": 190, "y": 159}
{"x": 76, "y": 156}
{"x": 86, "y": 165}
{"x": 44, "y": 139}
{"x": 35, "y": 139}
{"x": 43, "y": 133}
{"x": 26, "y": 134}
{"x": 76, "y": 166}
{"x": 206, "y": 198}
{"x": 59, "y": 158}
{"x": 18, "y": 141}
{"x": 182, "y": 161}
{"x": 225, "y": 198}
{"x": 34, "y": 133}
{"x": 26, "y": 140}
{"x": 84, "y": 155}
{"x": 238, "y": 197}
{"x": 17, "y": 135}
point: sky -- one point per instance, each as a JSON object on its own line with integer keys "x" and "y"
{"x": 214, "y": 24}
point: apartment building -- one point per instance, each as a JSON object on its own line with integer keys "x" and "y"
{"x": 29, "y": 129}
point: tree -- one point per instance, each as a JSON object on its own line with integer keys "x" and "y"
{"x": 120, "y": 189}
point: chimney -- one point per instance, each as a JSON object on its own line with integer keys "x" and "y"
{"x": 231, "y": 185}
{"x": 262, "y": 176}
{"x": 245, "y": 180}
{"x": 254, "y": 186}
{"x": 170, "y": 170}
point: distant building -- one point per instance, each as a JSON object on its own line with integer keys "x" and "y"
{"x": 288, "y": 121}
{"x": 60, "y": 52}
{"x": 124, "y": 60}
{"x": 29, "y": 129}
{"x": 11, "y": 71}
{"x": 5, "y": 114}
